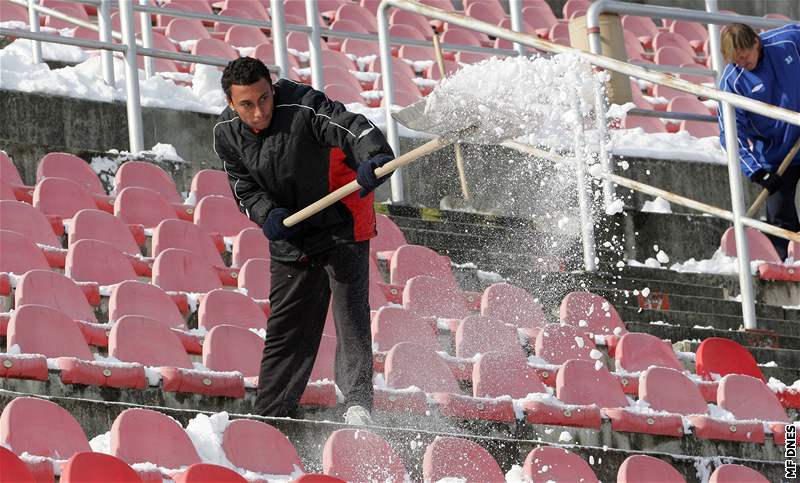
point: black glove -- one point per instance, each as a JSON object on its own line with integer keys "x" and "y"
{"x": 366, "y": 173}
{"x": 769, "y": 181}
{"x": 273, "y": 227}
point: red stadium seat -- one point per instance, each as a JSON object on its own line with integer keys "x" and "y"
{"x": 229, "y": 348}
{"x": 410, "y": 364}
{"x": 255, "y": 8}
{"x": 650, "y": 125}
{"x": 69, "y": 166}
{"x": 186, "y": 236}
{"x": 760, "y": 246}
{"x": 28, "y": 425}
{"x": 91, "y": 224}
{"x": 389, "y": 238}
{"x": 557, "y": 464}
{"x": 11, "y": 12}
{"x": 700, "y": 129}
{"x": 571, "y": 7}
{"x": 642, "y": 27}
{"x": 411, "y": 260}
{"x": 26, "y": 255}
{"x": 499, "y": 374}
{"x": 61, "y": 197}
{"x": 143, "y": 435}
{"x": 7, "y": 191}
{"x": 361, "y": 455}
{"x": 245, "y": 36}
{"x": 671, "y": 55}
{"x": 637, "y": 351}
{"x": 592, "y": 313}
{"x": 404, "y": 17}
{"x": 54, "y": 290}
{"x": 664, "y": 39}
{"x": 427, "y": 296}
{"x": 14, "y": 469}
{"x": 346, "y": 94}
{"x": 392, "y": 325}
{"x": 730, "y": 473}
{"x": 694, "y": 32}
{"x": 91, "y": 466}
{"x": 254, "y": 277}
{"x": 182, "y": 270}
{"x": 146, "y": 175}
{"x": 205, "y": 472}
{"x": 750, "y": 398}
{"x": 558, "y": 343}
{"x": 210, "y": 182}
{"x": 478, "y": 334}
{"x": 256, "y": 446}
{"x": 183, "y": 29}
{"x": 489, "y": 12}
{"x": 249, "y": 243}
{"x": 449, "y": 457}
{"x": 720, "y": 356}
{"x": 540, "y": 17}
{"x": 220, "y": 27}
{"x": 29, "y": 222}
{"x": 513, "y": 305}
{"x": 143, "y": 206}
{"x": 642, "y": 468}
{"x": 144, "y": 299}
{"x": 217, "y": 214}
{"x": 222, "y": 306}
{"x": 98, "y": 261}
{"x": 214, "y": 48}
{"x": 358, "y": 14}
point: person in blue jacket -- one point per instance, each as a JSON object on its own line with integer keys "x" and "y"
{"x": 766, "y": 67}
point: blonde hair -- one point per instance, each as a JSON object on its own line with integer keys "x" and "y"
{"x": 736, "y": 37}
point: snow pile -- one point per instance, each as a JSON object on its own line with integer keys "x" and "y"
{"x": 658, "y": 205}
{"x": 679, "y": 146}
{"x": 50, "y": 51}
{"x": 718, "y": 264}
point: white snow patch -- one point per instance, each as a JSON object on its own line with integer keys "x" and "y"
{"x": 658, "y": 205}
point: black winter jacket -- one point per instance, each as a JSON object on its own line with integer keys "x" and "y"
{"x": 312, "y": 146}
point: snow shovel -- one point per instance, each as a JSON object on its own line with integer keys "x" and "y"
{"x": 762, "y": 197}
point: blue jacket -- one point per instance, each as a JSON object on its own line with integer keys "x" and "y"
{"x": 775, "y": 80}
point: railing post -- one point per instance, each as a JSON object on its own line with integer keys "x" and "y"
{"x": 584, "y": 200}
{"x": 106, "y": 56}
{"x": 33, "y": 20}
{"x": 147, "y": 42}
{"x": 131, "y": 77}
{"x": 279, "y": 36}
{"x": 396, "y": 181}
{"x": 314, "y": 46}
{"x": 515, "y": 8}
{"x": 738, "y": 209}
{"x": 713, "y": 40}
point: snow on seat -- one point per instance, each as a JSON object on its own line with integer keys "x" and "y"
{"x": 8, "y": 171}
{"x": 222, "y": 306}
{"x": 249, "y": 243}
{"x": 389, "y": 237}
{"x": 392, "y": 325}
{"x": 184, "y": 271}
{"x": 143, "y": 206}
{"x": 37, "y": 329}
{"x": 188, "y": 236}
{"x": 730, "y": 473}
{"x": 478, "y": 334}
{"x": 14, "y": 469}
{"x": 259, "y": 447}
{"x": 218, "y": 214}
{"x": 28, "y": 221}
{"x": 228, "y": 348}
{"x": 594, "y": 315}
{"x": 428, "y": 296}
{"x": 557, "y": 464}
{"x": 585, "y": 383}
{"x": 19, "y": 254}
{"x": 409, "y": 364}
{"x": 458, "y": 458}
{"x": 145, "y": 436}
{"x": 761, "y": 248}
{"x": 61, "y": 197}
{"x": 148, "y": 175}
{"x": 361, "y": 455}
{"x": 646, "y": 469}
{"x": 700, "y": 129}
{"x": 71, "y": 167}
{"x": 207, "y": 182}
{"x": 749, "y": 398}
{"x": 498, "y": 374}
{"x": 672, "y": 391}
{"x": 637, "y": 351}
{"x": 558, "y": 343}
{"x": 720, "y": 357}
{"x": 254, "y": 277}
{"x": 91, "y": 466}
{"x": 151, "y": 343}
{"x": 99, "y": 262}
{"x": 99, "y": 225}
{"x": 513, "y": 305}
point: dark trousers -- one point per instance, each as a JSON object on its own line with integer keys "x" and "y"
{"x": 299, "y": 297}
{"x": 781, "y": 210}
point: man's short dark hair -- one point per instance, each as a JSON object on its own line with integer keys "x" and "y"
{"x": 243, "y": 72}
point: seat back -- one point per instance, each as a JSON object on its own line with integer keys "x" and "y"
{"x": 97, "y": 261}
{"x": 215, "y": 47}
{"x": 664, "y": 39}
{"x": 41, "y": 428}
{"x": 7, "y": 191}
{"x": 670, "y": 390}
{"x": 37, "y": 329}
{"x": 137, "y": 205}
{"x": 141, "y": 298}
{"x": 346, "y": 94}
{"x": 187, "y": 236}
{"x": 490, "y": 12}
{"x": 392, "y": 325}
{"x": 146, "y": 175}
{"x": 730, "y": 473}
{"x": 249, "y": 243}
{"x": 717, "y": 355}
{"x": 646, "y": 469}
{"x": 557, "y": 343}
{"x": 19, "y": 254}
{"x": 54, "y": 290}
{"x": 205, "y": 472}
{"x": 650, "y": 125}
{"x": 245, "y": 36}
{"x": 8, "y": 171}
{"x": 404, "y": 17}
{"x": 69, "y": 166}
{"x": 499, "y": 374}
{"x": 182, "y": 29}
{"x": 636, "y": 351}
{"x": 687, "y": 103}
{"x": 512, "y": 304}
{"x": 257, "y": 446}
{"x": 448, "y": 457}
{"x": 691, "y": 31}
{"x": 760, "y": 246}
{"x": 581, "y": 382}
{"x": 135, "y": 338}
{"x": 143, "y": 435}
{"x": 478, "y": 334}
{"x": 390, "y": 237}
{"x": 222, "y": 306}
{"x": 91, "y": 466}
{"x": 433, "y": 297}
{"x": 749, "y": 398}
{"x": 358, "y": 14}
{"x": 599, "y": 315}
{"x": 208, "y": 182}
{"x": 229, "y": 348}
{"x": 557, "y": 464}
{"x": 26, "y": 220}
{"x": 640, "y": 26}
{"x": 361, "y": 455}
{"x": 182, "y": 270}
{"x": 700, "y": 129}
{"x": 219, "y": 214}
{"x": 61, "y": 197}
{"x": 254, "y": 277}
{"x": 100, "y": 225}
{"x": 410, "y": 364}
{"x": 13, "y": 468}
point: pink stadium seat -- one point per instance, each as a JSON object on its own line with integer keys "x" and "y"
{"x": 37, "y": 329}
{"x": 410, "y": 364}
{"x": 345, "y": 25}
{"x": 651, "y": 125}
{"x": 392, "y": 325}
{"x": 478, "y": 334}
{"x": 499, "y": 374}
{"x": 361, "y": 455}
{"x": 217, "y": 214}
{"x": 506, "y": 23}
{"x": 222, "y": 306}
{"x": 664, "y": 39}
{"x": 144, "y": 299}
{"x": 323, "y": 365}
{"x": 450, "y": 66}
{"x": 184, "y": 5}
{"x": 403, "y": 17}
{"x": 136, "y": 205}
{"x": 557, "y": 464}
{"x": 146, "y": 175}
{"x": 160, "y": 42}
{"x": 489, "y": 12}
{"x": 403, "y": 97}
{"x": 245, "y": 36}
{"x": 210, "y": 182}
{"x": 403, "y": 31}
{"x": 335, "y": 74}
{"x": 558, "y": 343}
{"x": 69, "y": 166}
{"x": 646, "y": 469}
{"x": 598, "y": 315}
{"x": 91, "y": 466}
{"x": 297, "y": 8}
{"x": 254, "y": 277}
{"x": 143, "y": 435}
{"x": 61, "y": 197}
{"x": 750, "y": 398}
{"x": 672, "y": 55}
{"x": 416, "y": 52}
{"x": 572, "y": 7}
{"x": 358, "y": 14}
{"x": 513, "y": 305}
{"x": 257, "y": 446}
{"x": 389, "y": 238}
{"x": 14, "y": 469}
{"x": 54, "y": 290}
{"x": 205, "y": 472}
{"x": 116, "y": 24}
{"x": 760, "y": 246}
{"x": 336, "y": 58}
{"x": 402, "y": 82}
{"x": 639, "y": 99}
{"x": 794, "y": 250}
{"x": 730, "y": 473}
{"x": 214, "y": 48}
{"x": 254, "y": 7}
{"x": 700, "y": 129}
{"x": 346, "y": 94}
{"x": 182, "y": 270}
{"x": 360, "y": 48}
{"x": 183, "y": 29}
{"x": 449, "y": 457}
{"x": 91, "y": 224}
{"x": 633, "y": 47}
{"x": 427, "y": 296}
{"x": 97, "y": 261}
{"x": 7, "y": 191}
{"x": 249, "y": 243}
{"x": 637, "y": 351}
{"x": 688, "y": 104}
{"x": 455, "y": 35}
{"x": 229, "y": 348}
{"x": 540, "y": 17}
{"x": 411, "y": 260}
{"x": 186, "y": 236}
{"x": 667, "y": 92}
{"x": 716, "y": 355}
{"x": 11, "y": 12}
{"x": 694, "y": 32}
{"x": 71, "y": 9}
{"x": 27, "y": 221}
{"x": 220, "y": 27}
{"x": 26, "y": 255}
{"x": 642, "y": 27}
